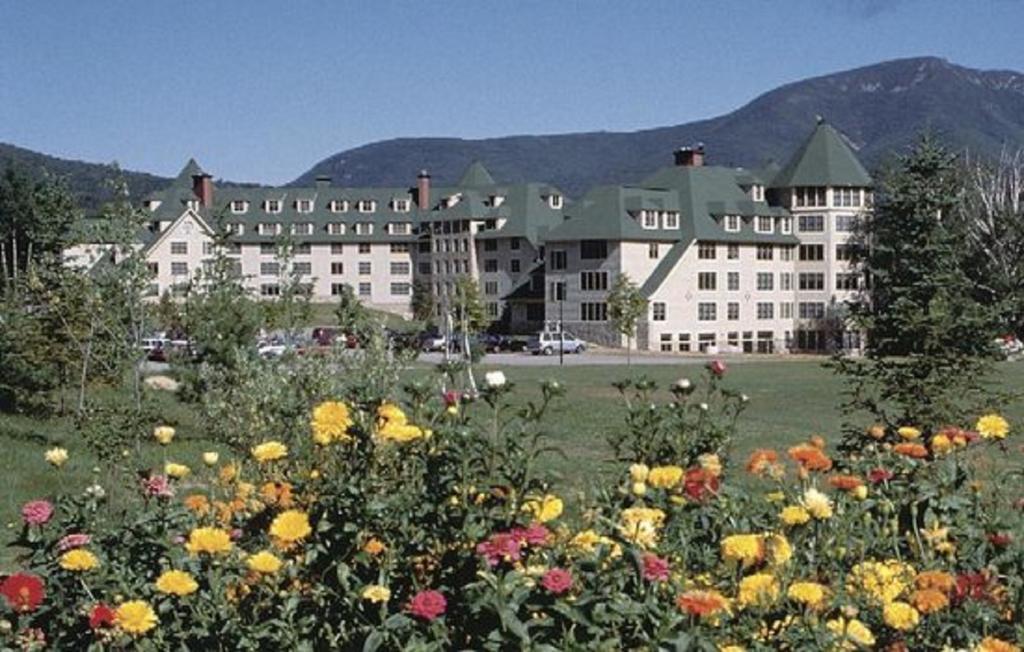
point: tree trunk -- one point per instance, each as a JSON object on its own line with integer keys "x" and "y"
{"x": 83, "y": 378}
{"x": 629, "y": 350}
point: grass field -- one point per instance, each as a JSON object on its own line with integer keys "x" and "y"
{"x": 789, "y": 401}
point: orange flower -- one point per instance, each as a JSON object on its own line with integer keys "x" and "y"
{"x": 373, "y": 547}
{"x": 911, "y": 449}
{"x": 197, "y": 503}
{"x": 928, "y": 600}
{"x": 845, "y": 482}
{"x": 810, "y": 457}
{"x": 937, "y": 580}
{"x": 818, "y": 442}
{"x": 876, "y": 431}
{"x": 761, "y": 460}
{"x": 277, "y": 493}
{"x": 702, "y": 603}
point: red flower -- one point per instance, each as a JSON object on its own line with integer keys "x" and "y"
{"x": 717, "y": 367}
{"x": 427, "y": 605}
{"x": 878, "y": 476}
{"x": 972, "y": 586}
{"x": 23, "y": 592}
{"x": 535, "y": 535}
{"x": 451, "y": 398}
{"x": 504, "y": 546}
{"x": 1000, "y": 539}
{"x": 698, "y": 484}
{"x": 101, "y": 616}
{"x": 655, "y": 569}
{"x": 557, "y": 580}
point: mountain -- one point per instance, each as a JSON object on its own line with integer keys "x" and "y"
{"x": 88, "y": 182}
{"x": 881, "y": 108}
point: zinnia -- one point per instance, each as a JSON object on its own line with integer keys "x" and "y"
{"x": 908, "y": 432}
{"x": 23, "y": 592}
{"x": 655, "y": 569}
{"x": 911, "y": 449}
{"x": 817, "y": 504}
{"x": 176, "y": 582}
{"x": 176, "y": 470}
{"x": 264, "y": 562}
{"x": 290, "y": 526}
{"x": 37, "y": 512}
{"x": 810, "y": 457}
{"x": 78, "y": 560}
{"x": 376, "y": 593}
{"x": 427, "y": 605}
{"x": 928, "y": 600}
{"x": 557, "y": 581}
{"x": 101, "y": 615}
{"x": 762, "y": 460}
{"x": 135, "y": 617}
{"x": 640, "y": 525}
{"x": 211, "y": 540}
{"x": 760, "y": 589}
{"x": 665, "y": 477}
{"x": 331, "y": 421}
{"x": 269, "y": 451}
{"x": 901, "y": 616}
{"x": 794, "y": 515}
{"x": 210, "y": 458}
{"x": 747, "y": 549}
{"x": 852, "y": 630}
{"x": 163, "y": 434}
{"x": 56, "y": 456}
{"x": 70, "y": 541}
{"x": 992, "y": 426}
{"x": 810, "y": 594}
{"x": 702, "y": 603}
{"x": 993, "y": 644}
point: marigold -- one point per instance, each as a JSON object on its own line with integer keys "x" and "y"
{"x": 544, "y": 509}
{"x": 810, "y": 457}
{"x": 929, "y": 600}
{"x": 135, "y": 617}
{"x": 638, "y": 472}
{"x": 845, "y": 482}
{"x": 938, "y": 580}
{"x": 290, "y": 526}
{"x": 56, "y": 456}
{"x": 376, "y": 593}
{"x": 759, "y": 589}
{"x": 331, "y": 421}
{"x": 883, "y": 581}
{"x": 992, "y": 426}
{"x": 588, "y": 541}
{"x": 794, "y": 515}
{"x": 665, "y": 477}
{"x": 78, "y": 560}
{"x": 269, "y": 451}
{"x": 264, "y": 562}
{"x": 901, "y": 616}
{"x": 876, "y": 431}
{"x": 747, "y": 549}
{"x": 175, "y": 470}
{"x": 941, "y": 444}
{"x": 762, "y": 460}
{"x": 992, "y": 644}
{"x": 911, "y": 449}
{"x": 710, "y": 463}
{"x": 852, "y": 630}
{"x": 228, "y": 473}
{"x": 640, "y": 525}
{"x": 817, "y": 504}
{"x": 702, "y": 603}
{"x": 277, "y": 493}
{"x": 211, "y": 540}
{"x": 777, "y": 549}
{"x": 197, "y": 503}
{"x": 373, "y": 547}
{"x": 810, "y": 594}
{"x": 908, "y": 432}
{"x": 163, "y": 434}
{"x": 176, "y": 582}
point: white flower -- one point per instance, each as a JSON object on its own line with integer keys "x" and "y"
{"x": 494, "y": 379}
{"x": 744, "y": 398}
{"x": 56, "y": 456}
{"x": 704, "y": 407}
{"x": 683, "y": 383}
{"x": 210, "y": 458}
{"x": 95, "y": 491}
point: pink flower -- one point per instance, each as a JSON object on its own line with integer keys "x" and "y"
{"x": 877, "y": 476}
{"x": 427, "y": 605}
{"x": 157, "y": 486}
{"x": 717, "y": 367}
{"x": 534, "y": 535}
{"x": 451, "y": 398}
{"x": 500, "y": 547}
{"x": 557, "y": 580}
{"x": 37, "y": 512}
{"x": 73, "y": 541}
{"x": 655, "y": 569}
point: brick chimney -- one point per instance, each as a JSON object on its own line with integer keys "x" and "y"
{"x": 423, "y": 190}
{"x": 202, "y": 188}
{"x": 690, "y": 157}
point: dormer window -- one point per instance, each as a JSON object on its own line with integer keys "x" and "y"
{"x": 304, "y": 205}
{"x": 649, "y": 219}
{"x": 764, "y": 224}
{"x": 236, "y": 228}
{"x": 400, "y": 205}
{"x": 272, "y": 206}
{"x": 364, "y": 228}
{"x": 338, "y": 206}
{"x": 555, "y": 201}
{"x": 757, "y": 192}
{"x": 366, "y": 206}
{"x": 786, "y": 225}
{"x": 496, "y": 200}
{"x": 452, "y": 200}
{"x": 153, "y": 204}
{"x": 732, "y": 223}
{"x": 336, "y": 228}
{"x": 239, "y": 206}
{"x": 302, "y": 228}
{"x": 400, "y": 228}
{"x": 192, "y": 204}
{"x": 671, "y": 220}
{"x": 269, "y": 228}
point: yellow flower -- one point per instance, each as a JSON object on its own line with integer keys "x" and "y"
{"x": 135, "y": 617}
{"x": 269, "y": 451}
{"x": 211, "y": 540}
{"x": 639, "y": 489}
{"x": 163, "y": 434}
{"x": 908, "y": 432}
{"x": 389, "y": 412}
{"x": 992, "y": 426}
{"x": 775, "y": 496}
{"x": 331, "y": 421}
{"x": 860, "y": 493}
{"x": 710, "y": 463}
{"x": 176, "y": 470}
{"x": 374, "y": 547}
{"x": 901, "y": 616}
{"x": 264, "y": 562}
{"x": 665, "y": 477}
{"x": 882, "y": 581}
{"x": 228, "y": 473}
{"x": 777, "y": 549}
{"x": 176, "y": 582}
{"x": 640, "y": 525}
{"x": 993, "y": 644}
{"x": 56, "y": 456}
{"x": 588, "y": 540}
{"x": 78, "y": 560}
{"x": 810, "y": 594}
{"x": 211, "y": 458}
{"x": 400, "y": 432}
{"x": 852, "y": 631}
{"x": 747, "y": 549}
{"x": 376, "y": 593}
{"x": 941, "y": 444}
{"x": 290, "y": 526}
{"x": 817, "y": 504}
{"x": 544, "y": 509}
{"x": 760, "y": 589}
{"x": 638, "y": 472}
{"x": 732, "y": 648}
{"x": 794, "y": 515}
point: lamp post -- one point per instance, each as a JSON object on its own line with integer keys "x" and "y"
{"x": 561, "y": 328}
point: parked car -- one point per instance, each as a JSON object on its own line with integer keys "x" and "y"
{"x": 547, "y": 343}
{"x": 277, "y": 346}
{"x": 1009, "y": 346}
{"x": 432, "y": 342}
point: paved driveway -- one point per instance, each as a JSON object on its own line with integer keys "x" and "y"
{"x": 593, "y": 358}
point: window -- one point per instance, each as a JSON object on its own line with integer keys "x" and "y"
{"x": 733, "y": 338}
{"x": 809, "y": 196}
{"x": 337, "y": 269}
{"x": 707, "y": 280}
{"x": 764, "y": 224}
{"x": 270, "y": 269}
{"x": 179, "y": 269}
{"x": 786, "y": 281}
{"x": 593, "y": 311}
{"x": 268, "y": 248}
{"x": 399, "y": 247}
{"x": 846, "y": 223}
{"x": 302, "y": 249}
{"x": 845, "y": 252}
{"x": 365, "y": 267}
{"x": 557, "y": 291}
{"x": 811, "y": 310}
{"x": 846, "y": 197}
{"x": 658, "y": 312}
{"x": 364, "y": 228}
{"x": 765, "y": 310}
{"x": 337, "y": 248}
{"x": 666, "y": 342}
{"x": 732, "y": 311}
{"x": 304, "y": 205}
{"x": 492, "y": 310}
{"x": 786, "y": 225}
{"x": 270, "y": 290}
{"x": 765, "y": 252}
{"x": 424, "y": 247}
{"x": 555, "y": 202}
{"x": 786, "y": 253}
{"x": 490, "y": 245}
{"x": 239, "y": 206}
{"x": 153, "y": 268}
{"x": 491, "y": 287}
{"x": 400, "y": 206}
{"x": 272, "y": 206}
{"x": 402, "y": 268}
{"x": 513, "y": 244}
{"x": 269, "y": 228}
{"x": 366, "y": 206}
{"x": 558, "y": 260}
{"x": 401, "y": 289}
{"x": 684, "y": 342}
{"x": 847, "y": 281}
{"x": 401, "y": 228}
{"x": 302, "y": 269}
{"x": 365, "y": 289}
{"x": 652, "y": 250}
{"x": 233, "y": 249}
{"x": 704, "y": 340}
{"x": 811, "y": 223}
{"x": 733, "y": 281}
{"x": 593, "y": 281}
{"x": 236, "y": 228}
{"x": 732, "y": 223}
{"x": 706, "y": 251}
{"x": 707, "y": 311}
{"x": 364, "y": 247}
{"x": 812, "y": 252}
{"x": 765, "y": 281}
{"x": 649, "y": 219}
{"x": 732, "y": 252}
{"x": 491, "y": 265}
{"x": 338, "y": 289}
{"x": 207, "y": 248}
{"x": 811, "y": 281}
{"x": 302, "y": 228}
{"x": 786, "y": 310}
{"x": 179, "y": 248}
{"x": 336, "y": 228}
{"x": 338, "y": 206}
{"x": 671, "y": 220}
{"x": 593, "y": 249}
{"x": 423, "y": 267}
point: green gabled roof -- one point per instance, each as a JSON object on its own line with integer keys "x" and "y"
{"x": 825, "y": 159}
{"x": 476, "y": 176}
{"x": 525, "y": 211}
{"x": 604, "y": 214}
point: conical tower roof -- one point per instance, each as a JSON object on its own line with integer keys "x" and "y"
{"x": 476, "y": 176}
{"x": 825, "y": 159}
{"x": 190, "y": 170}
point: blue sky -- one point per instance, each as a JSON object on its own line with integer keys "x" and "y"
{"x": 260, "y": 90}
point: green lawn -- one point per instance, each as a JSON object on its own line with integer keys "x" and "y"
{"x": 789, "y": 401}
